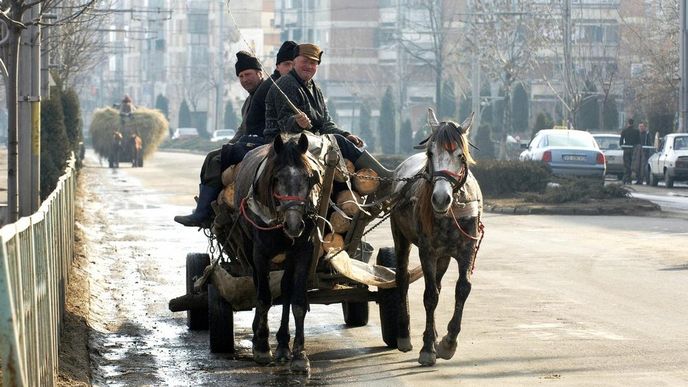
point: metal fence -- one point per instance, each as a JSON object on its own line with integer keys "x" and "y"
{"x": 35, "y": 259}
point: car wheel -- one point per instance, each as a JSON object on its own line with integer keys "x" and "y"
{"x": 668, "y": 180}
{"x": 652, "y": 179}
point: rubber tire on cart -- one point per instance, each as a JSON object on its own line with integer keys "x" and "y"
{"x": 220, "y": 322}
{"x": 196, "y": 319}
{"x": 652, "y": 179}
{"x": 668, "y": 180}
{"x": 356, "y": 313}
{"x": 389, "y": 301}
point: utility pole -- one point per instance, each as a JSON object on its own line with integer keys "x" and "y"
{"x": 683, "y": 95}
{"x": 475, "y": 80}
{"x": 29, "y": 114}
{"x": 219, "y": 90}
{"x": 568, "y": 65}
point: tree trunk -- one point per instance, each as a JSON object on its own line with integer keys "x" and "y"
{"x": 12, "y": 61}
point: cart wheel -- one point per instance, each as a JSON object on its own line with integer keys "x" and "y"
{"x": 196, "y": 319}
{"x": 355, "y": 313}
{"x": 389, "y": 300}
{"x": 220, "y": 322}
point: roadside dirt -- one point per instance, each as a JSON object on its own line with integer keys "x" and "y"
{"x": 74, "y": 368}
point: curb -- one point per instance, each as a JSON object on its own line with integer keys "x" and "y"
{"x": 633, "y": 208}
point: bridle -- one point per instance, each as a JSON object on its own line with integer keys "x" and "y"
{"x": 455, "y": 179}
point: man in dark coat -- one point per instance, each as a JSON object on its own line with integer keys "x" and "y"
{"x": 250, "y": 74}
{"x": 628, "y": 140}
{"x": 642, "y": 152}
{"x": 298, "y": 86}
{"x": 254, "y": 122}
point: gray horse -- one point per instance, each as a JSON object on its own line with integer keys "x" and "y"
{"x": 441, "y": 215}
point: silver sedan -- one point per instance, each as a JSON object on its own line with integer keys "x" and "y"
{"x": 567, "y": 152}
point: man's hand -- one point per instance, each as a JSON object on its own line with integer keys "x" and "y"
{"x": 355, "y": 140}
{"x": 302, "y": 120}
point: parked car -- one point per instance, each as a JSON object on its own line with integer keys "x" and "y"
{"x": 222, "y": 134}
{"x": 670, "y": 162}
{"x": 567, "y": 152}
{"x": 609, "y": 145}
{"x": 184, "y": 133}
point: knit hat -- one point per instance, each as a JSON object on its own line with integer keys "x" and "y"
{"x": 308, "y": 50}
{"x": 246, "y": 61}
{"x": 286, "y": 52}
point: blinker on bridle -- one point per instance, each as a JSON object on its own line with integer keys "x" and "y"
{"x": 423, "y": 144}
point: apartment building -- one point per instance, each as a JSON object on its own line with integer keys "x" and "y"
{"x": 364, "y": 51}
{"x": 185, "y": 50}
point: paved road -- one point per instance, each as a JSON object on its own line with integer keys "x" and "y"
{"x": 556, "y": 299}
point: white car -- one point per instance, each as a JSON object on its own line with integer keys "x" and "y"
{"x": 670, "y": 162}
{"x": 222, "y": 134}
{"x": 184, "y": 133}
{"x": 609, "y": 145}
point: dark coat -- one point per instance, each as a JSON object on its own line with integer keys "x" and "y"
{"x": 245, "y": 108}
{"x": 255, "y": 118}
{"x": 307, "y": 97}
{"x": 629, "y": 136}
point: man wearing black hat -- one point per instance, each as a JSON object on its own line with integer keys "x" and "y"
{"x": 254, "y": 122}
{"x": 298, "y": 86}
{"x": 250, "y": 74}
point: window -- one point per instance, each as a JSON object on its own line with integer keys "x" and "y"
{"x": 198, "y": 23}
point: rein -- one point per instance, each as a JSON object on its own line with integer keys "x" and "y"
{"x": 242, "y": 211}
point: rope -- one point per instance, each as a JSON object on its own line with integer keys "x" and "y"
{"x": 242, "y": 211}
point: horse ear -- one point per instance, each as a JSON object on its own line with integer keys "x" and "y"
{"x": 303, "y": 143}
{"x": 432, "y": 120}
{"x": 278, "y": 144}
{"x": 466, "y": 124}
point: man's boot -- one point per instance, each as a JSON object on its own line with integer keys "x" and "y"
{"x": 200, "y": 217}
{"x": 366, "y": 160}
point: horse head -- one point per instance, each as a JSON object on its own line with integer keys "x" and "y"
{"x": 287, "y": 181}
{"x": 448, "y": 160}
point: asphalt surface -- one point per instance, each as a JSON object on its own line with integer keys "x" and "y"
{"x": 571, "y": 300}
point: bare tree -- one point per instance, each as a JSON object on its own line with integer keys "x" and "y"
{"x": 15, "y": 17}
{"x": 78, "y": 46}
{"x": 579, "y": 55}
{"x": 652, "y": 61}
{"x": 430, "y": 36}
{"x": 506, "y": 35}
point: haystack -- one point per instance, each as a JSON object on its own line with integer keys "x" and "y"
{"x": 150, "y": 124}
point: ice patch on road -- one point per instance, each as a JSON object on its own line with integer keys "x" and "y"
{"x": 554, "y": 331}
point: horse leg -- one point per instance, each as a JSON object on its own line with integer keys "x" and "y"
{"x": 402, "y": 249}
{"x": 283, "y": 354}
{"x": 299, "y": 360}
{"x": 261, "y": 330}
{"x": 428, "y": 355}
{"x": 447, "y": 347}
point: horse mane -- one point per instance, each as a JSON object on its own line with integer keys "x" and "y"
{"x": 289, "y": 156}
{"x": 448, "y": 136}
{"x": 450, "y": 133}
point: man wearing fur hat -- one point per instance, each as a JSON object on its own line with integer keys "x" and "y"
{"x": 298, "y": 86}
{"x": 254, "y": 121}
{"x": 250, "y": 74}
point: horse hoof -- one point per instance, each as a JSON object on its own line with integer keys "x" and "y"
{"x": 300, "y": 364}
{"x": 262, "y": 357}
{"x": 445, "y": 349}
{"x": 282, "y": 355}
{"x": 404, "y": 344}
{"x": 427, "y": 358}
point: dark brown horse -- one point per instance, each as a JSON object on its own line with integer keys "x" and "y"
{"x": 441, "y": 215}
{"x": 274, "y": 205}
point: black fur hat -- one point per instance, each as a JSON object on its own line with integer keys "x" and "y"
{"x": 286, "y": 52}
{"x": 246, "y": 61}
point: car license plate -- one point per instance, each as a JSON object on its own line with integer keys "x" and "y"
{"x": 573, "y": 158}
